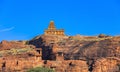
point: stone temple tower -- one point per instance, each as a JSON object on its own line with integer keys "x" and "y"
{"x": 51, "y": 26}
{"x": 53, "y": 31}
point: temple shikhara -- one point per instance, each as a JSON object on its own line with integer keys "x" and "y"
{"x": 53, "y": 31}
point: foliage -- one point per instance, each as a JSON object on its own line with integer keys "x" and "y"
{"x": 40, "y": 69}
{"x": 15, "y": 51}
{"x": 118, "y": 66}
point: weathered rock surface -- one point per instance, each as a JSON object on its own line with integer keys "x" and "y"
{"x": 63, "y": 53}
{"x": 90, "y": 49}
{"x": 80, "y": 47}
{"x": 13, "y": 64}
{"x": 111, "y": 64}
{"x": 6, "y": 45}
{"x": 68, "y": 66}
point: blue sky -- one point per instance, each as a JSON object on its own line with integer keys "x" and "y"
{"x": 24, "y": 19}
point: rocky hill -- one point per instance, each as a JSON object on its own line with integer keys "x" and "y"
{"x": 88, "y": 48}
{"x": 77, "y": 47}
{"x": 96, "y": 53}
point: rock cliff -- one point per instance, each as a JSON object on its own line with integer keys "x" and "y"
{"x": 62, "y": 53}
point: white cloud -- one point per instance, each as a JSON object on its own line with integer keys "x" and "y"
{"x": 7, "y": 29}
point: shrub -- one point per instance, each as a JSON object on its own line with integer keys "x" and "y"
{"x": 118, "y": 66}
{"x": 40, "y": 69}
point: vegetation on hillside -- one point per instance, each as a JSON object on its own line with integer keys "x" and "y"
{"x": 15, "y": 51}
{"x": 118, "y": 66}
{"x": 40, "y": 69}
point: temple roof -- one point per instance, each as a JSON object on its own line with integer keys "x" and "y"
{"x": 51, "y": 26}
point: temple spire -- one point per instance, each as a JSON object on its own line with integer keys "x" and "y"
{"x": 51, "y": 26}
{"x": 53, "y": 31}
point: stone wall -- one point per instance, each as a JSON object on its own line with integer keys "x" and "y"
{"x": 68, "y": 66}
{"x": 19, "y": 65}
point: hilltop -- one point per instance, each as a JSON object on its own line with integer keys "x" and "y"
{"x": 74, "y": 48}
{"x": 62, "y": 53}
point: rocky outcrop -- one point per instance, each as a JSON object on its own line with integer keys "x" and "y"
{"x": 11, "y": 64}
{"x": 64, "y": 53}
{"x": 111, "y": 64}
{"x": 77, "y": 48}
{"x": 80, "y": 47}
{"x": 68, "y": 66}
{"x": 7, "y": 45}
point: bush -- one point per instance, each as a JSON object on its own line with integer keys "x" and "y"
{"x": 118, "y": 66}
{"x": 40, "y": 69}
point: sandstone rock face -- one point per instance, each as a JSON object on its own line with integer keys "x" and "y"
{"x": 46, "y": 40}
{"x": 62, "y": 53}
{"x": 18, "y": 64}
{"x": 107, "y": 65}
{"x": 83, "y": 47}
{"x": 90, "y": 49}
{"x": 68, "y": 66}
{"x": 5, "y": 45}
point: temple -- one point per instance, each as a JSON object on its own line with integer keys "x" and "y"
{"x": 53, "y": 31}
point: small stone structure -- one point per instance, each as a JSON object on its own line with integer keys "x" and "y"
{"x": 53, "y": 31}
